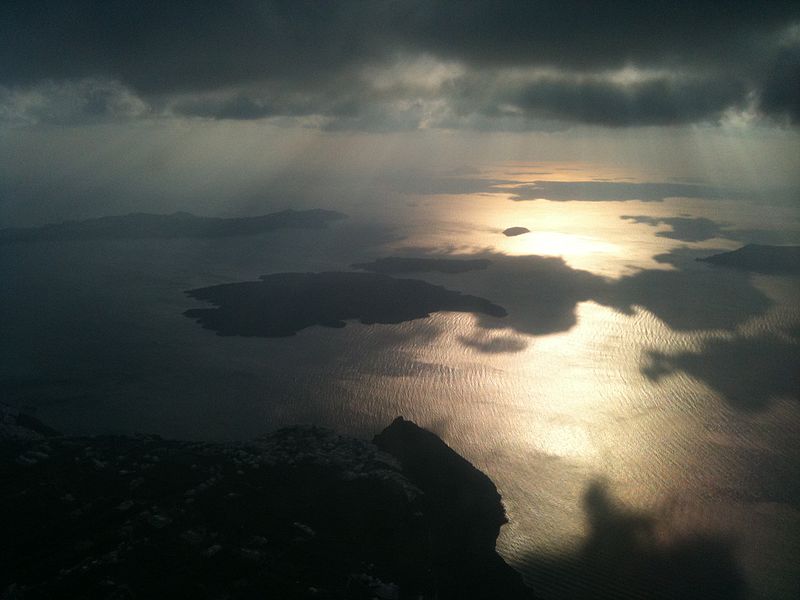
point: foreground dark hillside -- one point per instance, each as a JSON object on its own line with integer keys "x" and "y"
{"x": 301, "y": 513}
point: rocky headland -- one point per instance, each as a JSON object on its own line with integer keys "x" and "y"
{"x": 299, "y": 513}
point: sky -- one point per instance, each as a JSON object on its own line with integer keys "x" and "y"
{"x": 118, "y": 106}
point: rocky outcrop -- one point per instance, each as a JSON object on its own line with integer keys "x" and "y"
{"x": 465, "y": 514}
{"x": 300, "y": 513}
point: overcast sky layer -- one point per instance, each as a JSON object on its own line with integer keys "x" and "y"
{"x": 244, "y": 107}
{"x": 402, "y": 65}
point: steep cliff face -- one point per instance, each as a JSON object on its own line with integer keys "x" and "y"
{"x": 300, "y": 513}
{"x": 464, "y": 510}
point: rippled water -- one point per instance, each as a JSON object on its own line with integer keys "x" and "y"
{"x": 94, "y": 340}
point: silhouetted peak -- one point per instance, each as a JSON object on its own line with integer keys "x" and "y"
{"x": 451, "y": 482}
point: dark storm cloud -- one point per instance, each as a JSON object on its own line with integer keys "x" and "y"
{"x": 581, "y": 35}
{"x": 781, "y": 90}
{"x": 170, "y": 46}
{"x": 656, "y": 102}
{"x": 238, "y": 108}
{"x": 282, "y": 58}
{"x": 164, "y": 46}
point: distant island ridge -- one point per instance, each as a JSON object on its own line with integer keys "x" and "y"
{"x": 298, "y": 513}
{"x": 175, "y": 225}
{"x": 758, "y": 258}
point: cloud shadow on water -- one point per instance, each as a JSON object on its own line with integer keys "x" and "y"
{"x": 494, "y": 344}
{"x": 700, "y": 229}
{"x": 748, "y": 372}
{"x": 541, "y": 295}
{"x": 626, "y": 555}
{"x": 691, "y": 299}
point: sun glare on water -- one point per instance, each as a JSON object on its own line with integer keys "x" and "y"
{"x": 552, "y": 243}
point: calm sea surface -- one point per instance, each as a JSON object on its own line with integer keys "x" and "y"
{"x": 645, "y": 382}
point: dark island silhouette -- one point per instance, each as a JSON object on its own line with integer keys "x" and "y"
{"x": 281, "y": 304}
{"x": 175, "y": 225}
{"x": 758, "y": 258}
{"x": 299, "y": 513}
{"x": 393, "y": 265}
{"x": 515, "y": 231}
{"x": 544, "y": 300}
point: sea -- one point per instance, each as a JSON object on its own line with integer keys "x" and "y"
{"x": 637, "y": 409}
